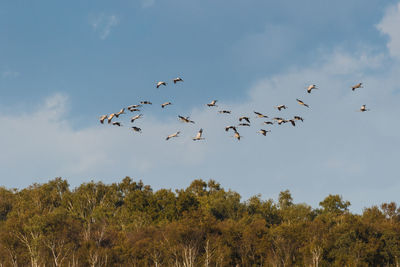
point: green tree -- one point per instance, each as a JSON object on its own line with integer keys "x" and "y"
{"x": 334, "y": 204}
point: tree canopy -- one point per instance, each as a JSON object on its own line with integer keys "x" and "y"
{"x": 130, "y": 224}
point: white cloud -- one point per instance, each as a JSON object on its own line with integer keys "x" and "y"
{"x": 335, "y": 150}
{"x": 102, "y": 24}
{"x": 390, "y": 25}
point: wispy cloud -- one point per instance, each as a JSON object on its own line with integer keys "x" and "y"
{"x": 10, "y": 74}
{"x": 336, "y": 149}
{"x": 148, "y": 3}
{"x": 390, "y": 25}
{"x": 103, "y": 24}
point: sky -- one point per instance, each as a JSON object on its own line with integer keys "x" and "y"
{"x": 65, "y": 63}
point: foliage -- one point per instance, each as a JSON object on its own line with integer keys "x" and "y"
{"x": 129, "y": 224}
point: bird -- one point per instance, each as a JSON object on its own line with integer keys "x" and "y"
{"x": 311, "y": 87}
{"x": 134, "y": 109}
{"x": 136, "y": 129}
{"x": 280, "y": 120}
{"x": 301, "y": 102}
{"x": 110, "y": 117}
{"x": 136, "y": 117}
{"x": 172, "y": 135}
{"x": 280, "y": 107}
{"x": 102, "y": 118}
{"x": 178, "y": 79}
{"x": 363, "y": 108}
{"x": 117, "y": 123}
{"x": 298, "y": 118}
{"x": 292, "y": 122}
{"x": 358, "y": 85}
{"x": 161, "y": 83}
{"x": 260, "y": 115}
{"x": 245, "y": 118}
{"x": 166, "y": 104}
{"x": 224, "y": 111}
{"x": 264, "y": 132}
{"x": 198, "y": 136}
{"x": 277, "y": 118}
{"x": 122, "y": 111}
{"x": 230, "y": 127}
{"x": 134, "y": 106}
{"x": 185, "y": 119}
{"x": 237, "y": 135}
{"x": 212, "y": 104}
{"x": 243, "y": 124}
{"x": 268, "y": 122}
{"x": 146, "y": 103}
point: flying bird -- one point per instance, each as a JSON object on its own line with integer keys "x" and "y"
{"x": 244, "y": 124}
{"x": 358, "y": 85}
{"x": 237, "y": 136}
{"x": 298, "y": 118}
{"x": 245, "y": 118}
{"x": 136, "y": 117}
{"x": 117, "y": 123}
{"x": 264, "y": 132}
{"x": 280, "y": 120}
{"x": 198, "y": 136}
{"x": 230, "y": 127}
{"x": 166, "y": 104}
{"x": 268, "y": 122}
{"x": 260, "y": 115}
{"x": 136, "y": 129}
{"x": 311, "y": 87}
{"x": 102, "y": 118}
{"x": 172, "y": 135}
{"x": 178, "y": 79}
{"x": 363, "y": 108}
{"x": 110, "y": 117}
{"x": 280, "y": 107}
{"x": 122, "y": 111}
{"x": 134, "y": 109}
{"x": 301, "y": 102}
{"x": 146, "y": 103}
{"x": 224, "y": 111}
{"x": 185, "y": 119}
{"x": 161, "y": 83}
{"x": 212, "y": 104}
{"x": 292, "y": 122}
{"x": 134, "y": 106}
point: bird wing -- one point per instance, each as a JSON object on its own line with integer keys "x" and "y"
{"x": 198, "y": 136}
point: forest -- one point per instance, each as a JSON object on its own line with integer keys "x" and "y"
{"x": 130, "y": 224}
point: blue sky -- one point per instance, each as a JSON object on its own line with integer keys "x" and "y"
{"x": 63, "y": 64}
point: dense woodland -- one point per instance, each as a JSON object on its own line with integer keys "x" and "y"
{"x": 129, "y": 224}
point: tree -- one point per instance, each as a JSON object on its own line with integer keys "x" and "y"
{"x": 285, "y": 199}
{"x": 391, "y": 211}
{"x": 334, "y": 204}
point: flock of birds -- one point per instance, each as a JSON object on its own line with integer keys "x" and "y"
{"x": 243, "y": 121}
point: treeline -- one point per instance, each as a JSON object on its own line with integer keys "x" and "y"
{"x": 129, "y": 224}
